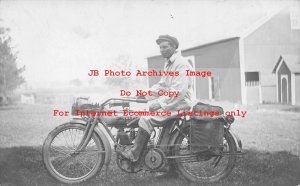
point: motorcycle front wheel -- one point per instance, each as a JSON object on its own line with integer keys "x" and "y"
{"x": 66, "y": 165}
{"x": 205, "y": 168}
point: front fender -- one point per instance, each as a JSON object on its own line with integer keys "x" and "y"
{"x": 101, "y": 135}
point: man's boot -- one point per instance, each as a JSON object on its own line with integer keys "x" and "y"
{"x": 141, "y": 141}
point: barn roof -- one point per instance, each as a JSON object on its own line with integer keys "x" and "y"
{"x": 240, "y": 34}
{"x": 203, "y": 45}
{"x": 291, "y": 60}
{"x": 211, "y": 43}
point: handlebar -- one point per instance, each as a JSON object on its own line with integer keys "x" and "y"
{"x": 124, "y": 100}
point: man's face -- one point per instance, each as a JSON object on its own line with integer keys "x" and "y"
{"x": 166, "y": 49}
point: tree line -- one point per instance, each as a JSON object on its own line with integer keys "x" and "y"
{"x": 10, "y": 75}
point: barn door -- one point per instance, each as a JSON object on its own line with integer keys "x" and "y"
{"x": 214, "y": 88}
{"x": 284, "y": 89}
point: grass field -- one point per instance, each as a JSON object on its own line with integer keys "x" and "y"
{"x": 270, "y": 135}
{"x": 23, "y": 166}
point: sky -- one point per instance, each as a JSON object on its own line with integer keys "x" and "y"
{"x": 59, "y": 41}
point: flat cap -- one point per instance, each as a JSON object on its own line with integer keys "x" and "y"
{"x": 171, "y": 39}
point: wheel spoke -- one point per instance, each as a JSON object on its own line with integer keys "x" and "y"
{"x": 91, "y": 152}
{"x": 72, "y": 140}
{"x": 58, "y": 157}
{"x": 66, "y": 140}
{"x": 77, "y": 159}
{"x": 63, "y": 164}
{"x": 62, "y": 150}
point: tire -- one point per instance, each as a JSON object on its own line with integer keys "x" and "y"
{"x": 205, "y": 162}
{"x": 57, "y": 153}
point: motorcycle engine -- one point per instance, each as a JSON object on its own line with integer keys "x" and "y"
{"x": 128, "y": 166}
{"x": 154, "y": 159}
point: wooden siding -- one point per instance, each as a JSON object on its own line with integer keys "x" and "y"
{"x": 263, "y": 47}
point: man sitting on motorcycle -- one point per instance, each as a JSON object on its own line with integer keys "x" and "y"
{"x": 181, "y": 83}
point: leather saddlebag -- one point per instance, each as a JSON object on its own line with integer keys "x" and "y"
{"x": 206, "y": 133}
{"x": 206, "y": 111}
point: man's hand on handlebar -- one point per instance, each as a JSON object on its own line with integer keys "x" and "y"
{"x": 155, "y": 106}
{"x": 140, "y": 97}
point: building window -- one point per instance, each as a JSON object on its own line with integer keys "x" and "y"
{"x": 214, "y": 88}
{"x": 252, "y": 79}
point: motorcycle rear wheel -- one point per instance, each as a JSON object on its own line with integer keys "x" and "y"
{"x": 203, "y": 169}
{"x": 65, "y": 165}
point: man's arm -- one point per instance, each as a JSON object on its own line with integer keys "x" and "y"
{"x": 180, "y": 84}
{"x": 158, "y": 86}
{"x": 154, "y": 90}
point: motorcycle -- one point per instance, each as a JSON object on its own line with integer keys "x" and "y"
{"x": 77, "y": 150}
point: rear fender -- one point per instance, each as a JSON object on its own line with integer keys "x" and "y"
{"x": 101, "y": 135}
{"x": 237, "y": 141}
